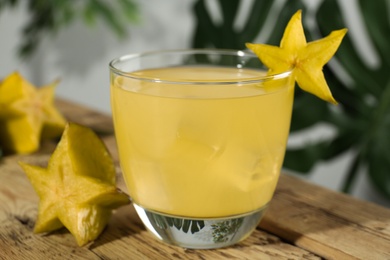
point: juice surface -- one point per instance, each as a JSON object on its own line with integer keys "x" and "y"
{"x": 200, "y": 151}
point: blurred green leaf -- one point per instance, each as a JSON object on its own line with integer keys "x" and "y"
{"x": 378, "y": 153}
{"x": 255, "y": 22}
{"x": 284, "y": 16}
{"x": 365, "y": 104}
{"x": 48, "y": 17}
{"x": 347, "y": 54}
{"x": 107, "y": 13}
{"x": 129, "y": 9}
{"x": 89, "y": 15}
{"x": 223, "y": 35}
{"x": 377, "y": 20}
{"x": 307, "y": 110}
{"x": 206, "y": 33}
{"x": 303, "y": 159}
{"x": 229, "y": 11}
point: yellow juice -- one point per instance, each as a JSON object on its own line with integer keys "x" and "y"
{"x": 200, "y": 150}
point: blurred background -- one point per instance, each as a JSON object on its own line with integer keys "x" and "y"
{"x": 344, "y": 147}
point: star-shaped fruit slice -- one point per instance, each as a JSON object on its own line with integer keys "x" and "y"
{"x": 78, "y": 188}
{"x": 305, "y": 59}
{"x": 27, "y": 114}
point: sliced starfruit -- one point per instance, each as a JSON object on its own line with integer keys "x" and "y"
{"x": 27, "y": 115}
{"x": 78, "y": 188}
{"x": 305, "y": 59}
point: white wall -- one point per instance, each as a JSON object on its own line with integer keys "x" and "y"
{"x": 79, "y": 55}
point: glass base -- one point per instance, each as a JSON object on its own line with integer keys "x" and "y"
{"x": 200, "y": 233}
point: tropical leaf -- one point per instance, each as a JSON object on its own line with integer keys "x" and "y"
{"x": 365, "y": 104}
{"x": 255, "y": 21}
{"x": 302, "y": 159}
{"x": 362, "y": 119}
{"x": 223, "y": 35}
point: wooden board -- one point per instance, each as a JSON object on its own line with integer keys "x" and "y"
{"x": 304, "y": 221}
{"x": 330, "y": 224}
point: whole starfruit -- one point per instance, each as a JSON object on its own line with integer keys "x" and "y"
{"x": 78, "y": 188}
{"x": 27, "y": 115}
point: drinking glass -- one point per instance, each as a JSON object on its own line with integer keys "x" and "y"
{"x": 201, "y": 137}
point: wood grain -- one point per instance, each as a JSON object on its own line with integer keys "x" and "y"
{"x": 303, "y": 221}
{"x": 331, "y": 224}
{"x": 124, "y": 236}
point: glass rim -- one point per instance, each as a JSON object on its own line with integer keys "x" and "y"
{"x": 232, "y": 52}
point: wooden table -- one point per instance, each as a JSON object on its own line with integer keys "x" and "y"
{"x": 304, "y": 221}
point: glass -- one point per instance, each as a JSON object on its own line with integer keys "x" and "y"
{"x": 201, "y": 137}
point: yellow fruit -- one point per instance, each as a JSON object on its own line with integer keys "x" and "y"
{"x": 27, "y": 115}
{"x": 77, "y": 189}
{"x": 306, "y": 59}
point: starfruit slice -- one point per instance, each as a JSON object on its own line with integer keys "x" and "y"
{"x": 78, "y": 188}
{"x": 27, "y": 115}
{"x": 305, "y": 59}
